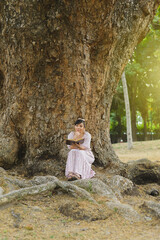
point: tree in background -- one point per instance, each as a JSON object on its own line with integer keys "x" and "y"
{"x": 127, "y": 108}
{"x": 134, "y": 76}
{"x": 117, "y": 117}
{"x": 143, "y": 79}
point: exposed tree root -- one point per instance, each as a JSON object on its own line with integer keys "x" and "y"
{"x": 43, "y": 187}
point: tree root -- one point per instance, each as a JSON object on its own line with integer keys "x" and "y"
{"x": 37, "y": 180}
{"x": 54, "y": 183}
{"x": 75, "y": 190}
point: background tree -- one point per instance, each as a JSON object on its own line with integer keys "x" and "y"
{"x": 142, "y": 74}
{"x": 61, "y": 60}
{"x": 117, "y": 116}
{"x": 134, "y": 74}
{"x": 127, "y": 109}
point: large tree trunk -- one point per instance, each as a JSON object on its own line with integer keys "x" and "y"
{"x": 61, "y": 60}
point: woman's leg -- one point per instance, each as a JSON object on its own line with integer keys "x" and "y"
{"x": 69, "y": 171}
{"x": 77, "y": 163}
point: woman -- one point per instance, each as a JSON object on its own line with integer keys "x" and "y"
{"x": 80, "y": 156}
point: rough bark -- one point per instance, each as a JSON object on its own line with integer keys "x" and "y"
{"x": 60, "y": 60}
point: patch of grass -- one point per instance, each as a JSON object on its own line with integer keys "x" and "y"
{"x": 68, "y": 235}
{"x": 90, "y": 187}
{"x": 4, "y": 184}
{"x": 101, "y": 202}
{"x": 19, "y": 198}
{"x": 50, "y": 194}
{"x": 115, "y": 210}
{"x": 55, "y": 217}
{"x": 67, "y": 220}
{"x": 81, "y": 199}
{"x": 75, "y": 236}
{"x": 52, "y": 237}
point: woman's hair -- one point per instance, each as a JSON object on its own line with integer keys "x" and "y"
{"x": 80, "y": 120}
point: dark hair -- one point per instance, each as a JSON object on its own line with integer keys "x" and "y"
{"x": 80, "y": 120}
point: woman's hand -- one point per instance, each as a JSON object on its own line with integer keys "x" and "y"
{"x": 79, "y": 147}
{"x": 73, "y": 146}
{"x": 76, "y": 135}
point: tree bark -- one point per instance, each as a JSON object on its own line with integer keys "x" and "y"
{"x": 61, "y": 60}
{"x": 127, "y": 107}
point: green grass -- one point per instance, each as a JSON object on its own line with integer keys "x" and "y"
{"x": 90, "y": 187}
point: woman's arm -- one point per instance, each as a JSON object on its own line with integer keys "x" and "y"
{"x": 70, "y": 136}
{"x": 73, "y": 146}
{"x": 87, "y": 141}
{"x": 86, "y": 144}
{"x": 80, "y": 147}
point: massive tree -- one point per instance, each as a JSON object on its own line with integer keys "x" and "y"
{"x": 59, "y": 60}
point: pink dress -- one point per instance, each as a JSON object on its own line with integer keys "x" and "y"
{"x": 79, "y": 161}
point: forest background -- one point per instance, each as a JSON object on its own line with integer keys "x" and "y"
{"x": 143, "y": 81}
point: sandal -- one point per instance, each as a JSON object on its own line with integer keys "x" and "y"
{"x": 78, "y": 176}
{"x": 72, "y": 178}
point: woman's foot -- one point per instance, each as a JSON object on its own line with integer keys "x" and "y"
{"x": 78, "y": 176}
{"x": 73, "y": 177}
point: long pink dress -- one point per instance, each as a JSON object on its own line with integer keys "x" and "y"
{"x": 79, "y": 161}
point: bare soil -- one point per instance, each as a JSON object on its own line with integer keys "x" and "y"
{"x": 39, "y": 217}
{"x": 144, "y": 149}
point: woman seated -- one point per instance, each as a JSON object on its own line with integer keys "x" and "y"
{"x": 80, "y": 156}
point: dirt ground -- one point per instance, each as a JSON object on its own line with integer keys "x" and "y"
{"x": 147, "y": 149}
{"x": 39, "y": 217}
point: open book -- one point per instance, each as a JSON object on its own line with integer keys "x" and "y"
{"x": 73, "y": 141}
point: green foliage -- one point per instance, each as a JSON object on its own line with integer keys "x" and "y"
{"x": 143, "y": 81}
{"x": 117, "y": 116}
